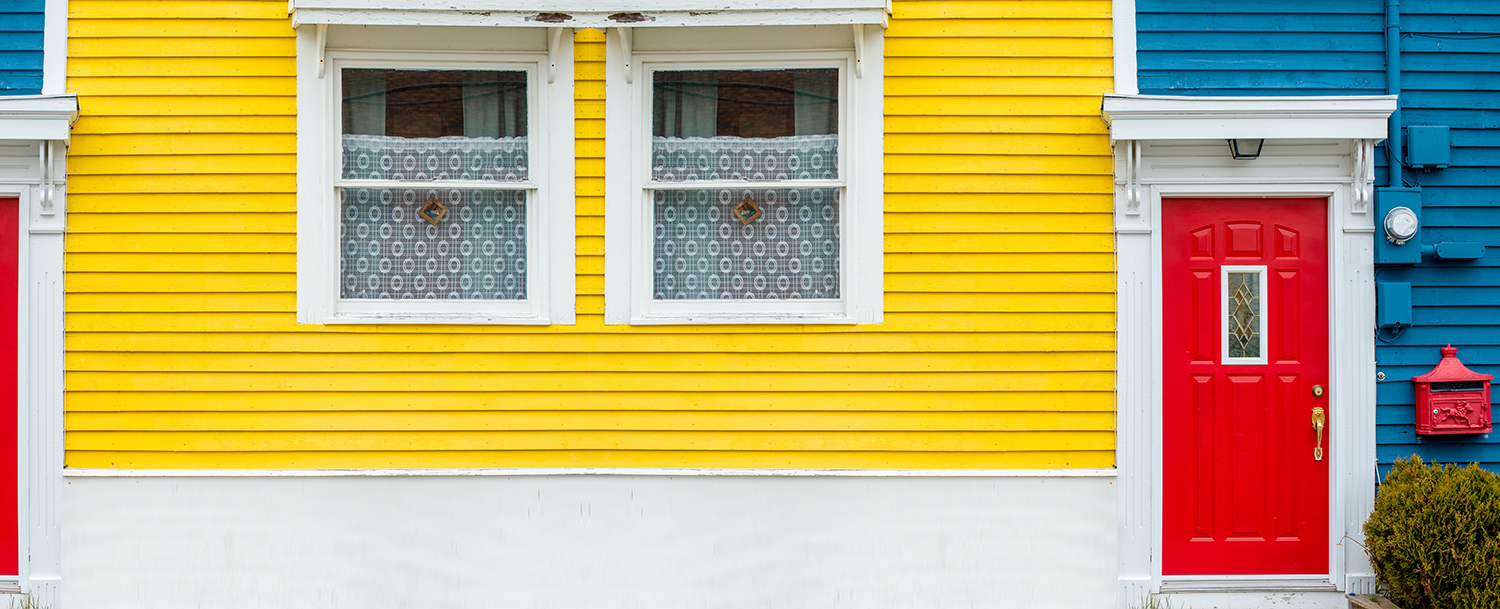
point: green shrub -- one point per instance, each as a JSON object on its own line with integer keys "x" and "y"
{"x": 1434, "y": 537}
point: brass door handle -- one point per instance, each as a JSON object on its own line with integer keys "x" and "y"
{"x": 1319, "y": 419}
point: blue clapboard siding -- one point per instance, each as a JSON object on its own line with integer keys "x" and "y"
{"x": 21, "y": 47}
{"x": 1260, "y": 47}
{"x": 1450, "y": 76}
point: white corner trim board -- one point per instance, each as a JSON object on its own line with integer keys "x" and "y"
{"x": 1122, "y": 13}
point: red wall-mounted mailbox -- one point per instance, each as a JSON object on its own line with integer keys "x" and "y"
{"x": 1451, "y": 398}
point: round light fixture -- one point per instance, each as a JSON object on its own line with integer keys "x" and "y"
{"x": 1400, "y": 225}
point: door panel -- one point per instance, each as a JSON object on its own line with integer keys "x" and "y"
{"x": 10, "y": 250}
{"x": 1245, "y": 306}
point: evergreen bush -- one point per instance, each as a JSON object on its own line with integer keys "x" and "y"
{"x": 1434, "y": 537}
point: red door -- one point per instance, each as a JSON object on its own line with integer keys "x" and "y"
{"x": 1245, "y": 363}
{"x": 10, "y": 251}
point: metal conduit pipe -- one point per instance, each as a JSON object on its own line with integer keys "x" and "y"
{"x": 1393, "y": 86}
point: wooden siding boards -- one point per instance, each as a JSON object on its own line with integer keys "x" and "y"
{"x": 1450, "y": 59}
{"x": 184, "y": 352}
{"x": 21, "y": 47}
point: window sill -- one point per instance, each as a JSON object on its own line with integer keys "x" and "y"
{"x": 432, "y": 319}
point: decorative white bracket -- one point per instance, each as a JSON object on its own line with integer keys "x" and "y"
{"x": 48, "y": 192}
{"x": 554, "y": 44}
{"x": 1132, "y": 177}
{"x": 859, "y": 50}
{"x": 1364, "y": 176}
{"x": 322, "y": 47}
{"x": 625, "y": 51}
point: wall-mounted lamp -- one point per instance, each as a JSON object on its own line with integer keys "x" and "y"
{"x": 1245, "y": 149}
{"x": 1400, "y": 225}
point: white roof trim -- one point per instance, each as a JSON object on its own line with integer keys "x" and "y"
{"x": 591, "y": 13}
{"x": 37, "y": 117}
{"x": 1169, "y": 117}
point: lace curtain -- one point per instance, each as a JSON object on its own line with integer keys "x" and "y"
{"x": 382, "y": 157}
{"x": 478, "y": 250}
{"x": 703, "y": 252}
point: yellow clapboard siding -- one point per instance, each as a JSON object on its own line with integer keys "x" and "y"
{"x": 898, "y": 145}
{"x": 997, "y": 223}
{"x": 997, "y": 348}
{"x": 905, "y": 302}
{"x": 1097, "y": 67}
{"x": 1045, "y": 124}
{"x": 984, "y": 202}
{"x": 1016, "y": 183}
{"x": 972, "y": 86}
{"x": 111, "y": 125}
{"x": 180, "y": 66}
{"x": 889, "y": 459}
{"x": 182, "y": 183}
{"x": 185, "y": 144}
{"x": 183, "y": 47}
{"x": 999, "y": 47}
{"x": 742, "y": 342}
{"x": 435, "y": 402}
{"x": 171, "y": 106}
{"x": 81, "y": 10}
{"x": 593, "y": 440}
{"x": 663, "y": 420}
{"x": 994, "y": 165}
{"x": 179, "y": 221}
{"x": 199, "y": 203}
{"x": 179, "y": 28}
{"x": 197, "y": 86}
{"x": 927, "y": 104}
{"x": 181, "y": 263}
{"x": 593, "y": 381}
{"x": 988, "y": 9}
{"x": 179, "y": 242}
{"x": 999, "y": 28}
{"x": 644, "y": 361}
{"x": 896, "y": 321}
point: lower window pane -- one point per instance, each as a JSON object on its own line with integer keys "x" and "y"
{"x": 711, "y": 244}
{"x": 475, "y": 251}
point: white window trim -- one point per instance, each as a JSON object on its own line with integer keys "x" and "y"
{"x": 550, "y": 209}
{"x": 627, "y": 270}
{"x": 1263, "y": 313}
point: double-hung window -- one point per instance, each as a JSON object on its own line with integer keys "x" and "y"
{"x": 429, "y": 186}
{"x": 744, "y": 184}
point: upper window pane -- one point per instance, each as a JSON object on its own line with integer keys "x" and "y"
{"x": 744, "y": 125}
{"x": 421, "y": 125}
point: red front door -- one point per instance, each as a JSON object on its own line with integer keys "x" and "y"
{"x": 10, "y": 252}
{"x": 1245, "y": 354}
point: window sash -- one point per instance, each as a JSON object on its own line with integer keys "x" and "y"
{"x": 710, "y": 311}
{"x": 353, "y": 310}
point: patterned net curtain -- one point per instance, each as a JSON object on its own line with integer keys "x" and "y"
{"x": 762, "y": 125}
{"x": 413, "y": 126}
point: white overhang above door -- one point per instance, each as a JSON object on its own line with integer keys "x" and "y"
{"x": 591, "y": 13}
{"x": 37, "y": 117}
{"x": 1171, "y": 117}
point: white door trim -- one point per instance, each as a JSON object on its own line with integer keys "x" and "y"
{"x": 1334, "y": 166}
{"x": 34, "y": 128}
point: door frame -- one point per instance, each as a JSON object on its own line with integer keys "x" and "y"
{"x": 1338, "y": 133}
{"x": 34, "y": 135}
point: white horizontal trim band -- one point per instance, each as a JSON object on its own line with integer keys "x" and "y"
{"x": 588, "y": 471}
{"x": 597, "y": 20}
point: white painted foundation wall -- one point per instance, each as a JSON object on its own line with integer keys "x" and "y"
{"x": 588, "y": 541}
